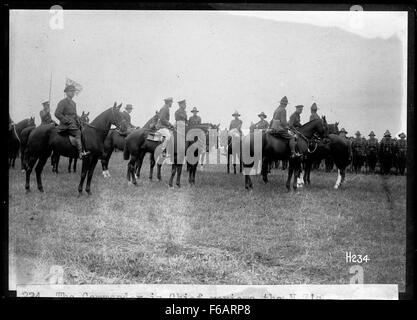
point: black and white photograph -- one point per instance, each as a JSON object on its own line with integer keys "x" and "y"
{"x": 212, "y": 152}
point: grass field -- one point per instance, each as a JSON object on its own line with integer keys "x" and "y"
{"x": 213, "y": 233}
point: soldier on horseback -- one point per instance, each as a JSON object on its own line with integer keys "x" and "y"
{"x": 66, "y": 113}
{"x": 45, "y": 114}
{"x": 280, "y": 126}
{"x": 181, "y": 114}
{"x": 164, "y": 125}
{"x": 262, "y": 124}
{"x": 194, "y": 119}
{"x": 314, "y": 115}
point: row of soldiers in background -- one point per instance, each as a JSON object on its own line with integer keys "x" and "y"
{"x": 368, "y": 153}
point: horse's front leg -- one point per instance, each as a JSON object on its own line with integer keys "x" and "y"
{"x": 173, "y": 171}
{"x": 152, "y": 158}
{"x": 158, "y": 171}
{"x": 93, "y": 164}
{"x": 290, "y": 172}
{"x": 75, "y": 165}
{"x": 264, "y": 171}
{"x": 179, "y": 171}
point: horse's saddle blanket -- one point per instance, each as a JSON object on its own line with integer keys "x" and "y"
{"x": 155, "y": 136}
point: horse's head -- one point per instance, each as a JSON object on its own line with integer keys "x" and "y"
{"x": 324, "y": 132}
{"x": 31, "y": 121}
{"x": 117, "y": 117}
{"x": 84, "y": 118}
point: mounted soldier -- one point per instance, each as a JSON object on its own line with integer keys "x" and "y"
{"x": 181, "y": 114}
{"x": 66, "y": 113}
{"x": 163, "y": 125}
{"x": 262, "y": 124}
{"x": 194, "y": 119}
{"x": 236, "y": 124}
{"x": 279, "y": 125}
{"x": 372, "y": 147}
{"x": 314, "y": 115}
{"x": 45, "y": 114}
{"x": 295, "y": 121}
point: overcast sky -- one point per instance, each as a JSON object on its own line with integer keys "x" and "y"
{"x": 142, "y": 57}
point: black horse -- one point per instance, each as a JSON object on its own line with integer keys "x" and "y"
{"x": 317, "y": 151}
{"x": 15, "y": 139}
{"x": 71, "y": 160}
{"x": 45, "y": 139}
{"x": 276, "y": 148}
{"x": 200, "y": 142}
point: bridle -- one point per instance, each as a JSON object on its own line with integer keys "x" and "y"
{"x": 314, "y": 138}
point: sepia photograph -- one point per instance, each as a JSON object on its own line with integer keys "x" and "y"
{"x": 226, "y": 152}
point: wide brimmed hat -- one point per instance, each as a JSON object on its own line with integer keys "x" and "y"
{"x": 46, "y": 103}
{"x": 357, "y": 133}
{"x": 387, "y": 134}
{"x": 262, "y": 114}
{"x": 284, "y": 100}
{"x": 343, "y": 130}
{"x": 402, "y": 134}
{"x": 237, "y": 114}
{"x": 314, "y": 106}
{"x": 300, "y": 106}
{"x": 195, "y": 110}
{"x": 371, "y": 133}
{"x": 181, "y": 101}
{"x": 70, "y": 88}
{"x": 129, "y": 106}
{"x": 169, "y": 99}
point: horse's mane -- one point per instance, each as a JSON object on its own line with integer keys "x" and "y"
{"x": 307, "y": 123}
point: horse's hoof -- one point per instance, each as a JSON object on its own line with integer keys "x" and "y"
{"x": 80, "y": 193}
{"x": 88, "y": 192}
{"x": 23, "y": 170}
{"x": 41, "y": 189}
{"x": 178, "y": 185}
{"x": 27, "y": 191}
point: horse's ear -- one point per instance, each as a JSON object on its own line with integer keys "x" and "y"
{"x": 120, "y": 105}
{"x": 83, "y": 113}
{"x": 115, "y": 104}
{"x": 88, "y": 113}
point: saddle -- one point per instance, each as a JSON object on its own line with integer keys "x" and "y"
{"x": 72, "y": 139}
{"x": 155, "y": 136}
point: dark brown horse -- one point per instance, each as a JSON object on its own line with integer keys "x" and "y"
{"x": 45, "y": 139}
{"x": 276, "y": 148}
{"x": 317, "y": 151}
{"x": 196, "y": 137}
{"x": 15, "y": 139}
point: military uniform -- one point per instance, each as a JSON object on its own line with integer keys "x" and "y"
{"x": 262, "y": 124}
{"x": 181, "y": 115}
{"x": 280, "y": 125}
{"x": 194, "y": 120}
{"x": 164, "y": 117}
{"x": 294, "y": 122}
{"x": 45, "y": 117}
{"x": 372, "y": 145}
{"x": 66, "y": 113}
{"x": 236, "y": 124}
{"x": 358, "y": 146}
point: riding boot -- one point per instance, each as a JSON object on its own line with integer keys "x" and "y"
{"x": 292, "y": 147}
{"x": 81, "y": 153}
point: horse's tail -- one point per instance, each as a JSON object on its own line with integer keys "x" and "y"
{"x": 126, "y": 153}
